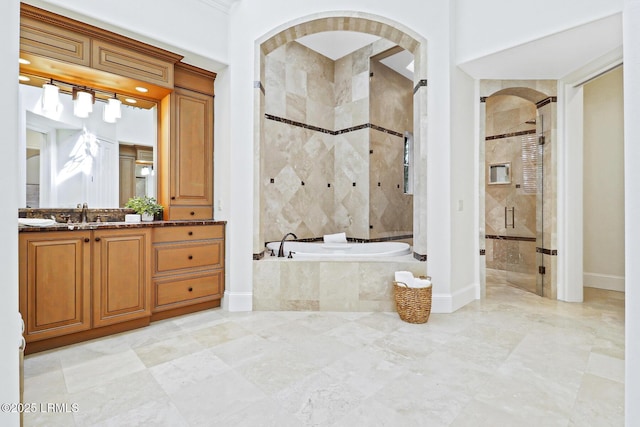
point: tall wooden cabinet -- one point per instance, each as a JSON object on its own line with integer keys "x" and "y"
{"x": 187, "y": 190}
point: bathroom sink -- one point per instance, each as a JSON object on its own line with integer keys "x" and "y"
{"x": 36, "y": 222}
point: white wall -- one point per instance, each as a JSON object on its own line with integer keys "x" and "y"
{"x": 188, "y": 27}
{"x": 603, "y": 182}
{"x": 631, "y": 34}
{"x": 465, "y": 252}
{"x": 488, "y": 26}
{"x": 10, "y": 335}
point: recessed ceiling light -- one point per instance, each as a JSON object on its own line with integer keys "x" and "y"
{"x": 130, "y": 100}
{"x": 24, "y": 61}
{"x": 23, "y": 78}
{"x": 142, "y": 89}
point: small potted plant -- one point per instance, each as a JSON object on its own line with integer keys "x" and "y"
{"x": 145, "y": 206}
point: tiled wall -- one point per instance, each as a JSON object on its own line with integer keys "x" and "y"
{"x": 391, "y": 103}
{"x": 319, "y": 175}
{"x": 327, "y": 285}
{"x": 507, "y": 135}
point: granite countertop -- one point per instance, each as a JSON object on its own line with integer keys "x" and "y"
{"x": 75, "y": 226}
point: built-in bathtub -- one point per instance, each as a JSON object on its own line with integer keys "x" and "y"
{"x": 321, "y": 250}
{"x": 352, "y": 277}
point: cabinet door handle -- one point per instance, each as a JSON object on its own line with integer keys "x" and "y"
{"x": 190, "y": 256}
{"x": 86, "y": 239}
{"x": 97, "y": 239}
{"x": 193, "y": 213}
{"x": 191, "y": 233}
{"x": 173, "y": 197}
{"x": 190, "y": 289}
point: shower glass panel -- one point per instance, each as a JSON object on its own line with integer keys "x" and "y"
{"x": 521, "y": 221}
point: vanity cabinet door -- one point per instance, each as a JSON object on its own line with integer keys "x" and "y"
{"x": 121, "y": 275}
{"x": 55, "y": 273}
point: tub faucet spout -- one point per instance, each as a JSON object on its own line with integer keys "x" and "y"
{"x": 281, "y": 250}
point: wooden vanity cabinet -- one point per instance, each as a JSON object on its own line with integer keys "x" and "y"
{"x": 188, "y": 269}
{"x": 121, "y": 275}
{"x": 78, "y": 285}
{"x": 55, "y": 283}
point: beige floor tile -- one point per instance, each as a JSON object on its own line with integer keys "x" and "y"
{"x": 510, "y": 359}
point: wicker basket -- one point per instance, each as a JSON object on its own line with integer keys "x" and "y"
{"x": 413, "y": 304}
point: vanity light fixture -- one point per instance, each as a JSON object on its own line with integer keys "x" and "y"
{"x": 23, "y": 78}
{"x": 50, "y": 98}
{"x": 131, "y": 100}
{"x": 83, "y": 100}
{"x": 112, "y": 110}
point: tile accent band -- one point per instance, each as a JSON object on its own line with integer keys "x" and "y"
{"x": 507, "y": 135}
{"x": 544, "y": 251}
{"x": 333, "y": 132}
{"x": 421, "y": 83}
{"x": 546, "y": 101}
{"x": 516, "y": 238}
{"x": 420, "y": 257}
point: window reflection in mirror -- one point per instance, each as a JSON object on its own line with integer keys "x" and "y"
{"x": 69, "y": 160}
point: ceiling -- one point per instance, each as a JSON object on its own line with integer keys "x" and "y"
{"x": 551, "y": 57}
{"x": 336, "y": 44}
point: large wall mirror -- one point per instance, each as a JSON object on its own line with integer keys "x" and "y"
{"x": 70, "y": 160}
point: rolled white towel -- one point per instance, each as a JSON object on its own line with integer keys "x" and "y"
{"x": 421, "y": 283}
{"x": 405, "y": 277}
{"x": 335, "y": 238}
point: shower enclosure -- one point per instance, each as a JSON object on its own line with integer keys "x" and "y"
{"x": 514, "y": 205}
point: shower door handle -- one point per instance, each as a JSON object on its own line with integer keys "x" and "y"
{"x": 513, "y": 217}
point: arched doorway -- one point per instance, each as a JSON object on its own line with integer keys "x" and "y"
{"x": 518, "y": 186}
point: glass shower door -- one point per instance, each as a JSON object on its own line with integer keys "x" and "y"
{"x": 521, "y": 221}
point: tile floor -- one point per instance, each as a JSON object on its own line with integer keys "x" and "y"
{"x": 513, "y": 359}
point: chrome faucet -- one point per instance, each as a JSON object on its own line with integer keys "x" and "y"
{"x": 281, "y": 250}
{"x": 85, "y": 206}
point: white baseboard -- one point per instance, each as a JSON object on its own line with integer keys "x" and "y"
{"x": 237, "y": 301}
{"x": 448, "y": 303}
{"x": 603, "y": 281}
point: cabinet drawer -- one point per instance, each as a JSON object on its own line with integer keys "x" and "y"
{"x": 182, "y": 233}
{"x": 188, "y": 289}
{"x": 178, "y": 257}
{"x": 53, "y": 42}
{"x": 190, "y": 212}
{"x": 124, "y": 62}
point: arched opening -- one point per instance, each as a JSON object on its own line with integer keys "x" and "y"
{"x": 331, "y": 138}
{"x": 330, "y": 158}
{"x": 518, "y": 188}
